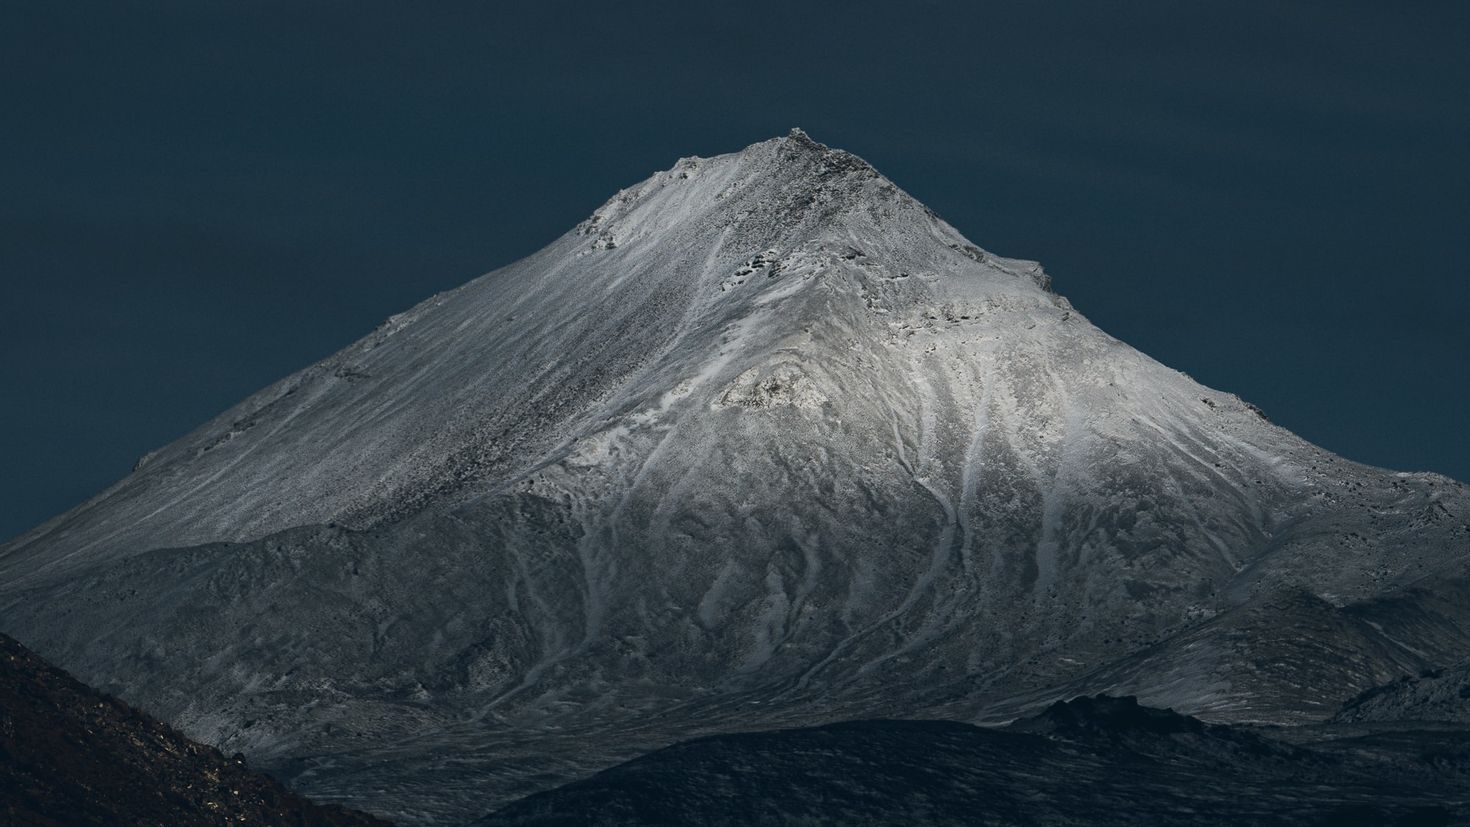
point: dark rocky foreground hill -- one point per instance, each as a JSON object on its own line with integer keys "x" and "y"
{"x": 70, "y": 756}
{"x": 1090, "y": 761}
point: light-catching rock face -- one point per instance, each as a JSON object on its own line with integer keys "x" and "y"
{"x": 761, "y": 442}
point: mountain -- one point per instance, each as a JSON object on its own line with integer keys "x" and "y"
{"x": 761, "y": 443}
{"x": 69, "y": 756}
{"x": 1089, "y": 762}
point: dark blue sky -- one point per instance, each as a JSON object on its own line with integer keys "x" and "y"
{"x": 201, "y": 196}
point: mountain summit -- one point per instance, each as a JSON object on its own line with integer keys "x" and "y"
{"x": 474, "y": 387}
{"x": 761, "y": 442}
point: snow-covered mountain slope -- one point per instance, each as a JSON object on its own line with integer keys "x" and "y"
{"x": 763, "y": 441}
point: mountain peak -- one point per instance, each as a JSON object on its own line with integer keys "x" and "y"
{"x": 799, "y": 135}
{"x": 775, "y": 194}
{"x": 796, "y": 156}
{"x": 786, "y": 227}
